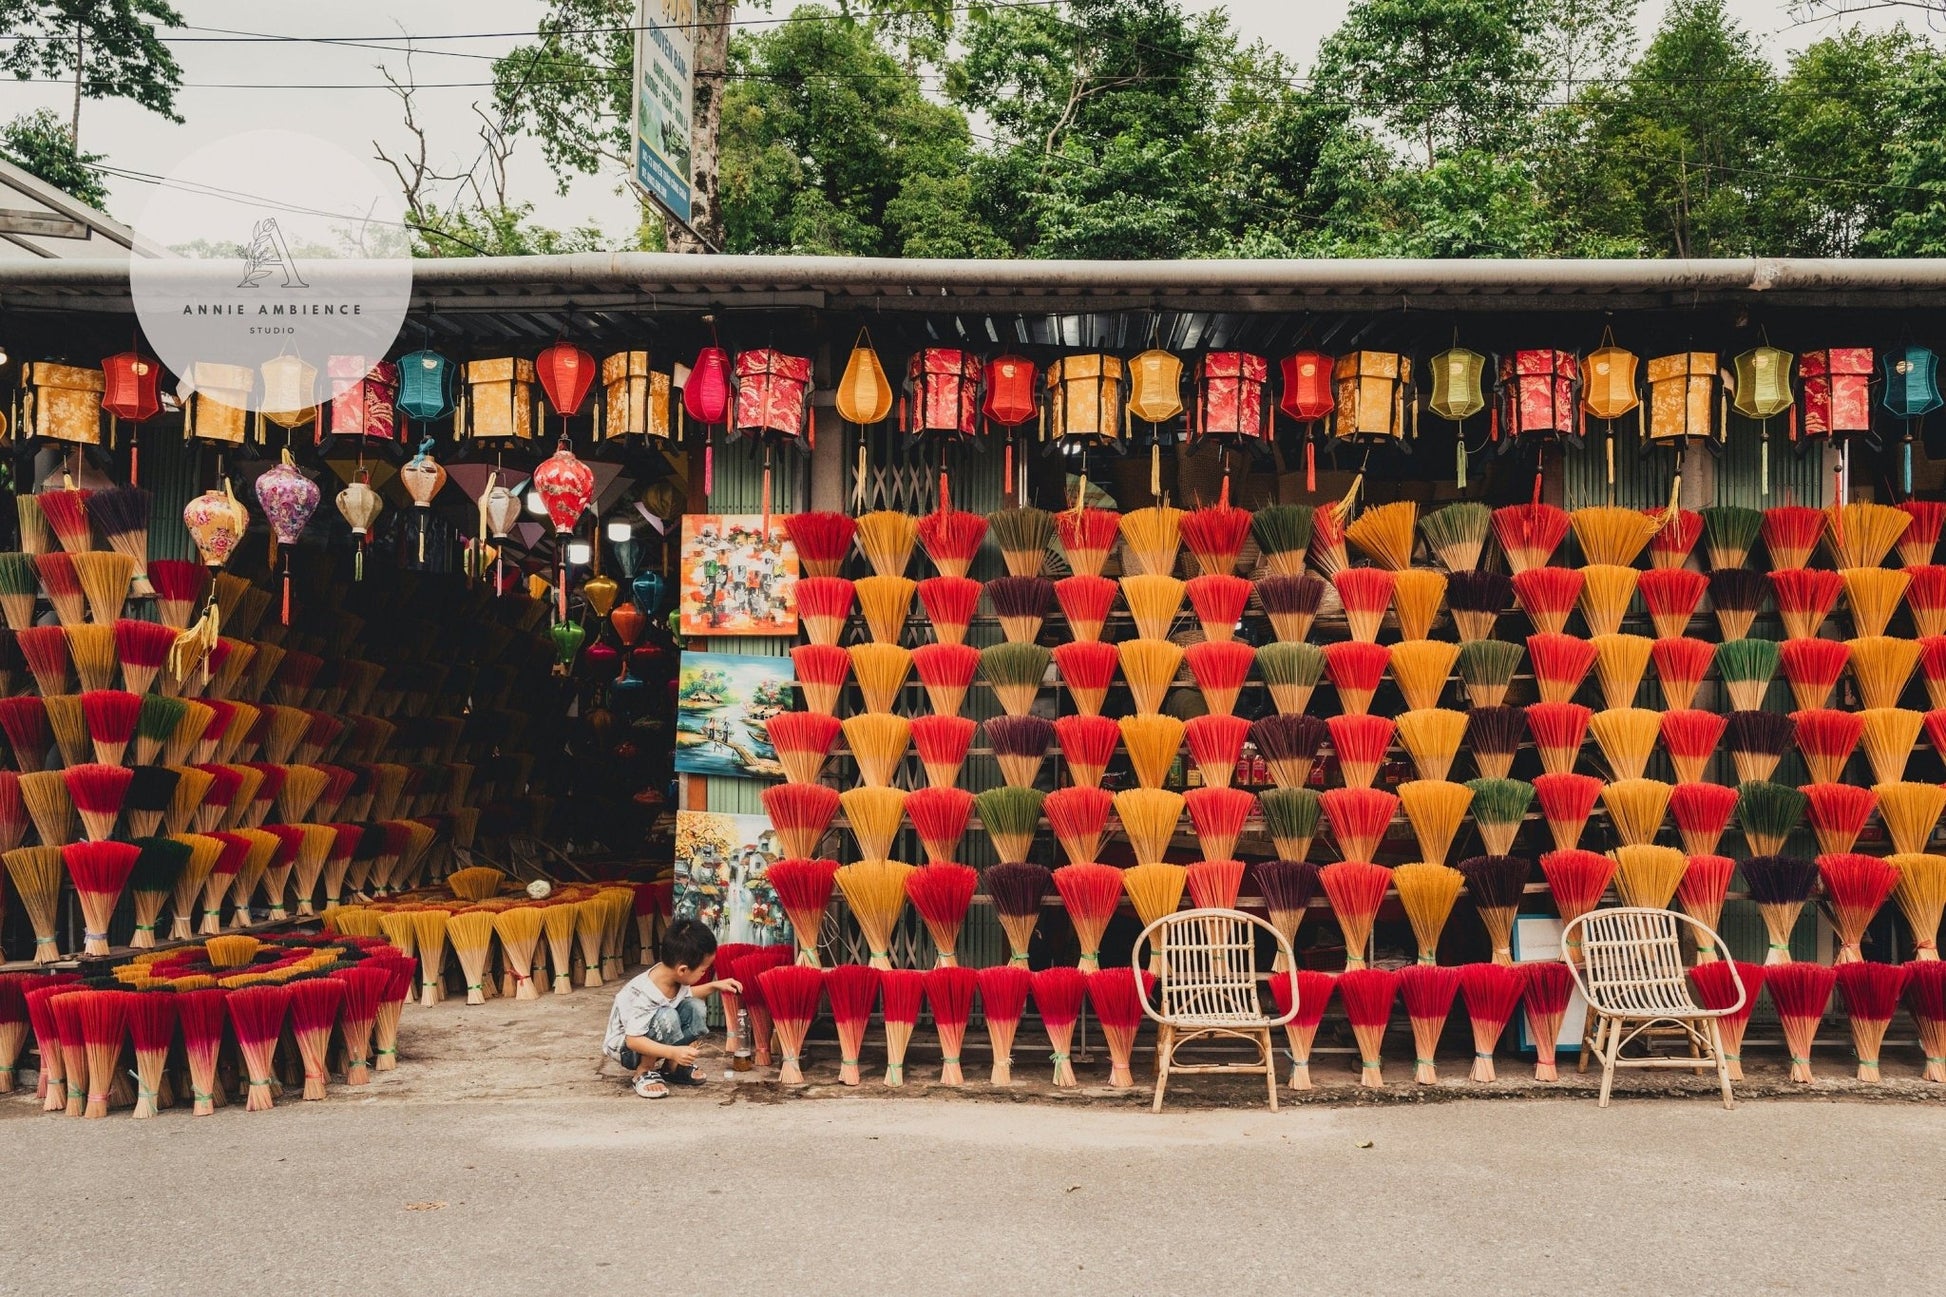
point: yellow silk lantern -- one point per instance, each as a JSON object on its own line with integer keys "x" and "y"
{"x": 635, "y": 399}
{"x": 1457, "y": 396}
{"x": 1085, "y": 395}
{"x": 864, "y": 394}
{"x": 1372, "y": 396}
{"x": 290, "y": 397}
{"x": 218, "y": 395}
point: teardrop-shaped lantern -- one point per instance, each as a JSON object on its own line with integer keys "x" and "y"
{"x": 288, "y": 499}
{"x": 706, "y": 393}
{"x": 501, "y": 508}
{"x": 566, "y": 373}
{"x": 568, "y": 637}
{"x": 216, "y": 521}
{"x": 647, "y": 589}
{"x": 360, "y": 506}
{"x": 600, "y": 591}
{"x": 864, "y": 394}
{"x": 423, "y": 476}
{"x": 629, "y": 623}
{"x": 567, "y": 488}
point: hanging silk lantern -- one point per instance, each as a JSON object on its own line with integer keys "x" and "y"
{"x": 1838, "y": 401}
{"x": 1084, "y": 397}
{"x": 566, "y": 372}
{"x": 1373, "y": 397}
{"x": 216, "y": 521}
{"x": 1457, "y": 395}
{"x": 942, "y": 394}
{"x": 1309, "y": 399}
{"x": 288, "y": 499}
{"x": 1608, "y": 382}
{"x": 706, "y": 399}
{"x": 567, "y": 488}
{"x": 646, "y": 589}
{"x": 1010, "y": 398}
{"x": 1687, "y": 402}
{"x": 214, "y": 398}
{"x": 1539, "y": 395}
{"x": 1154, "y": 397}
{"x": 1911, "y": 392}
{"x": 600, "y": 591}
{"x": 1760, "y": 390}
{"x": 131, "y": 393}
{"x": 635, "y": 399}
{"x": 365, "y": 399}
{"x": 1232, "y": 402}
{"x": 629, "y": 623}
{"x": 567, "y": 637}
{"x": 498, "y": 402}
{"x": 61, "y": 403}
{"x": 864, "y": 395}
{"x": 423, "y": 477}
{"x": 426, "y": 383}
{"x": 773, "y": 404}
{"x": 360, "y": 507}
{"x": 290, "y": 394}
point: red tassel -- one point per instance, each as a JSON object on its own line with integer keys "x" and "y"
{"x": 1007, "y": 473}
{"x": 287, "y": 592}
{"x": 1310, "y": 465}
{"x": 945, "y": 493}
{"x": 811, "y": 437}
{"x": 561, "y": 587}
{"x": 709, "y": 468}
{"x": 766, "y": 495}
{"x": 134, "y": 460}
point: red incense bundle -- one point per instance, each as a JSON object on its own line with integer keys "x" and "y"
{"x": 802, "y": 741}
{"x": 801, "y": 814}
{"x": 1360, "y": 744}
{"x": 1932, "y": 668}
{"x": 1215, "y": 535}
{"x": 1003, "y": 998}
{"x": 1079, "y": 817}
{"x": 1826, "y": 739}
{"x": 1058, "y": 995}
{"x": 1547, "y": 595}
{"x": 1529, "y": 533}
{"x": 179, "y": 588}
{"x": 1086, "y": 602}
{"x": 1289, "y": 745}
{"x": 364, "y": 993}
{"x": 748, "y": 970}
{"x": 1566, "y": 802}
{"x": 1671, "y": 594}
{"x": 1680, "y": 664}
{"x": 151, "y": 1027}
{"x": 902, "y": 991}
{"x": 1671, "y": 546}
{"x": 1690, "y": 737}
{"x": 803, "y": 888}
{"x": 1920, "y": 540}
{"x": 61, "y": 583}
{"x": 949, "y": 994}
{"x": 1791, "y": 532}
{"x": 1925, "y": 997}
{"x": 822, "y": 540}
{"x": 110, "y": 716}
{"x": 1559, "y": 729}
{"x": 939, "y": 815}
{"x": 1705, "y": 883}
{"x": 949, "y": 603}
{"x": 822, "y": 670}
{"x": 45, "y": 650}
{"x": 142, "y": 647}
{"x": 1086, "y": 537}
{"x": 946, "y": 670}
{"x": 1313, "y": 991}
{"x": 52, "y": 1087}
{"x": 103, "y": 1020}
{"x": 1356, "y": 667}
{"x": 257, "y": 1013}
{"x": 853, "y": 991}
{"x": 1837, "y": 814}
{"x": 1327, "y": 548}
{"x": 1577, "y": 880}
{"x": 1215, "y": 744}
{"x": 1117, "y": 995}
{"x": 402, "y": 975}
{"x": 1219, "y": 602}
{"x": 1561, "y": 663}
{"x": 1367, "y": 994}
{"x": 951, "y": 537}
{"x": 1801, "y": 993}
{"x": 1733, "y": 986}
{"x": 792, "y": 992}
{"x": 824, "y": 604}
{"x": 1805, "y": 597}
{"x": 1355, "y": 889}
{"x": 1926, "y": 597}
{"x": 1214, "y": 884}
{"x": 727, "y": 955}
{"x": 1428, "y": 991}
{"x": 1812, "y": 667}
{"x": 24, "y": 721}
{"x": 74, "y": 1052}
{"x": 941, "y": 893}
{"x": 67, "y": 513}
{"x": 1359, "y": 818}
{"x": 1087, "y": 668}
{"x": 99, "y": 871}
{"x": 1087, "y": 746}
{"x": 1091, "y": 892}
{"x": 315, "y": 1005}
{"x": 13, "y": 1025}
{"x": 1701, "y": 811}
{"x": 1855, "y": 887}
{"x": 1220, "y": 668}
{"x": 1218, "y": 815}
{"x": 1545, "y": 989}
{"x": 1491, "y": 992}
{"x": 1365, "y": 592}
{"x": 1871, "y": 993}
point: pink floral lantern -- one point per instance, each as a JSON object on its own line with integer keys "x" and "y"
{"x": 288, "y": 499}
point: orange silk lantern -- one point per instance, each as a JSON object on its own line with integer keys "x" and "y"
{"x": 1308, "y": 398}
{"x": 566, "y": 372}
{"x": 1011, "y": 398}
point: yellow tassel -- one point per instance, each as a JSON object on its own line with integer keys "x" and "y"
{"x": 194, "y": 644}
{"x": 1344, "y": 507}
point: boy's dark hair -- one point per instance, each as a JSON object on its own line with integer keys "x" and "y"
{"x": 687, "y": 942}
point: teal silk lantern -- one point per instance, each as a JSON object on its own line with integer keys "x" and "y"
{"x": 1911, "y": 392}
{"x": 426, "y": 381}
{"x": 647, "y": 589}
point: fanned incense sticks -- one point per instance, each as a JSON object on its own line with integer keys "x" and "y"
{"x": 881, "y": 671}
{"x": 1925, "y": 597}
{"x": 1019, "y": 745}
{"x": 903, "y": 991}
{"x": 1499, "y": 807}
{"x": 1359, "y": 818}
{"x": 1838, "y": 813}
{"x": 1356, "y": 667}
{"x": 1365, "y": 593}
{"x": 1311, "y": 991}
{"x": 824, "y": 605}
{"x": 1156, "y": 892}
{"x": 1790, "y": 533}
{"x": 1058, "y": 995}
{"x": 1636, "y": 808}
{"x": 1091, "y": 893}
{"x": 877, "y": 741}
{"x": 1826, "y": 739}
{"x": 1360, "y": 744}
{"x": 1017, "y": 891}
{"x": 1290, "y": 746}
{"x": 1925, "y": 997}
{"x": 1620, "y": 663}
{"x": 1496, "y": 884}
{"x": 1356, "y": 889}
{"x": 1079, "y": 817}
{"x": 1545, "y": 991}
{"x": 802, "y": 741}
{"x": 1457, "y": 534}
{"x": 1680, "y": 665}
{"x": 1386, "y": 533}
{"x": 1291, "y": 602}
{"x": 1756, "y": 741}
{"x": 1214, "y": 884}
{"x": 1919, "y": 542}
{"x": 1690, "y": 737}
{"x": 822, "y": 540}
{"x": 1891, "y": 733}
{"x": 1283, "y": 536}
{"x": 1421, "y": 668}
{"x": 1416, "y": 596}
{"x": 1367, "y": 994}
{"x": 1214, "y": 535}
{"x": 1855, "y": 887}
{"x": 886, "y": 538}
{"x": 940, "y": 894}
{"x": 1705, "y": 884}
{"x": 1087, "y": 669}
{"x": 1431, "y": 737}
{"x": 1219, "y": 602}
{"x": 1428, "y": 994}
{"x": 951, "y": 538}
{"x": 875, "y": 891}
{"x": 1812, "y": 667}
{"x": 1671, "y": 595}
{"x": 1610, "y": 534}
{"x": 1021, "y": 604}
{"x": 1117, "y": 995}
{"x": 1087, "y": 535}
{"x": 1291, "y": 818}
{"x": 1801, "y": 993}
{"x": 1861, "y": 534}
{"x": 822, "y": 671}
{"x": 1151, "y": 537}
{"x": 1736, "y": 596}
{"x": 1731, "y": 989}
{"x": 1559, "y": 729}
{"x": 1746, "y": 666}
{"x": 1768, "y": 813}
{"x": 1670, "y": 548}
{"x": 1566, "y": 802}
{"x": 1149, "y": 668}
{"x": 1493, "y": 734}
{"x": 1701, "y": 812}
{"x": 1287, "y": 887}
{"x": 1561, "y": 663}
{"x": 1528, "y": 534}
{"x": 1087, "y": 746}
{"x": 1216, "y": 745}
{"x": 1152, "y": 743}
{"x": 792, "y": 992}
{"x": 1427, "y": 892}
{"x": 873, "y": 814}
{"x": 1871, "y": 994}
{"x": 1606, "y": 592}
{"x": 1010, "y": 817}
{"x": 1149, "y": 817}
{"x": 946, "y": 671}
{"x": 1290, "y": 672}
{"x": 1881, "y": 666}
{"x": 1016, "y": 671}
{"x": 1873, "y": 594}
{"x": 1219, "y": 670}
{"x": 1728, "y": 533}
{"x": 1911, "y": 813}
{"x": 1218, "y": 816}
{"x": 939, "y": 816}
{"x": 1491, "y": 992}
{"x": 1476, "y": 600}
{"x": 1805, "y": 597}
{"x": 1086, "y": 602}
{"x": 1780, "y": 886}
{"x": 1648, "y": 875}
{"x": 1577, "y": 880}
{"x": 1023, "y": 536}
{"x": 801, "y": 814}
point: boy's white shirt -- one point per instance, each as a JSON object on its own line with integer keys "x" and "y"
{"x": 634, "y": 1005}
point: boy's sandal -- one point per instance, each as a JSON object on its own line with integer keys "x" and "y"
{"x": 649, "y": 1086}
{"x": 685, "y": 1076}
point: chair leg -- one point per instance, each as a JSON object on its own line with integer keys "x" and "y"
{"x": 1590, "y": 1040}
{"x": 1608, "y": 1056}
{"x": 1270, "y": 1067}
{"x": 1722, "y": 1065}
{"x": 1165, "y": 1048}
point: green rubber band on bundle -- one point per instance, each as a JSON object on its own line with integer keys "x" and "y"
{"x": 202, "y": 1096}
{"x": 475, "y": 986}
{"x": 894, "y": 1072}
{"x": 1929, "y": 1059}
{"x": 385, "y": 1050}
{"x": 1780, "y": 945}
{"x": 1805, "y": 1061}
{"x": 952, "y": 1059}
{"x": 1422, "y": 1062}
{"x": 1733, "y": 1058}
{"x": 1369, "y": 1067}
{"x": 143, "y": 1093}
{"x": 1057, "y": 1058}
{"x": 1487, "y": 1054}
{"x": 848, "y": 1062}
{"x": 1868, "y": 1062}
{"x": 881, "y": 954}
{"x": 76, "y": 1092}
{"x": 145, "y": 927}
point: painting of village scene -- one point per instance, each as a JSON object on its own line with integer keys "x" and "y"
{"x": 724, "y": 702}
{"x": 722, "y": 867}
{"x": 737, "y": 578}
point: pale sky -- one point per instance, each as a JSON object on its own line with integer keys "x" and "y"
{"x": 357, "y": 110}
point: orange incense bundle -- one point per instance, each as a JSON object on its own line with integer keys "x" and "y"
{"x": 949, "y": 603}
{"x": 1620, "y": 663}
{"x": 1690, "y": 737}
{"x": 822, "y": 540}
{"x": 1491, "y": 992}
{"x": 1215, "y": 744}
{"x": 1671, "y": 594}
{"x": 1431, "y": 737}
{"x": 1214, "y": 884}
{"x": 1058, "y": 996}
{"x": 1366, "y": 593}
{"x": 1826, "y": 739}
{"x": 1701, "y": 812}
{"x": 1360, "y": 744}
{"x": 1837, "y": 814}
{"x": 1790, "y": 533}
{"x": 1086, "y": 602}
{"x": 1529, "y": 533}
{"x": 1079, "y": 817}
{"x": 802, "y": 741}
{"x": 1087, "y": 746}
{"x": 1087, "y": 669}
{"x": 1577, "y": 880}
{"x": 1855, "y": 888}
{"x": 1566, "y": 802}
{"x": 1547, "y": 595}
{"x": 1561, "y": 663}
{"x": 1926, "y": 597}
{"x": 1367, "y": 994}
{"x": 1020, "y": 745}
{"x": 1736, "y": 596}
{"x": 1671, "y": 546}
{"x": 1220, "y": 669}
{"x": 1812, "y": 667}
{"x": 1356, "y": 667}
{"x": 1880, "y": 667}
{"x": 824, "y": 604}
{"x": 1559, "y": 729}
{"x": 1289, "y": 745}
{"x": 1359, "y": 818}
{"x": 951, "y": 538}
{"x": 1153, "y": 743}
{"x": 1021, "y": 604}
{"x": 1428, "y": 992}
{"x": 1704, "y": 886}
{"x": 1086, "y": 537}
{"x": 1607, "y": 590}
{"x": 939, "y": 816}
{"x": 1805, "y": 597}
{"x": 1920, "y": 540}
{"x": 1545, "y": 989}
{"x": 803, "y": 888}
{"x": 1218, "y": 815}
{"x": 881, "y": 670}
{"x": 1215, "y": 534}
{"x": 1801, "y": 992}
{"x": 801, "y": 814}
{"x": 941, "y": 742}
{"x": 1871, "y": 993}
{"x": 1090, "y": 892}
{"x": 1757, "y": 741}
{"x": 792, "y": 992}
{"x": 940, "y": 893}
{"x": 1219, "y": 602}
{"x": 1117, "y": 995}
{"x": 946, "y": 671}
{"x": 1421, "y": 668}
{"x": 822, "y": 670}
{"x": 1313, "y": 992}
{"x": 1291, "y": 602}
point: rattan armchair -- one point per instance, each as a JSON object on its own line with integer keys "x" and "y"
{"x": 1632, "y": 975}
{"x": 1207, "y": 987}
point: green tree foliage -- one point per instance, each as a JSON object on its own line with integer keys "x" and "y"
{"x": 39, "y": 143}
{"x": 108, "y": 48}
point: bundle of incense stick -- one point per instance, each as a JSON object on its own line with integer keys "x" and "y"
{"x": 1620, "y": 663}
{"x": 1021, "y": 604}
{"x": 1528, "y": 534}
{"x": 1428, "y": 993}
{"x": 1086, "y": 602}
{"x": 1690, "y": 737}
{"x": 1670, "y": 547}
{"x": 1356, "y": 667}
{"x": 1801, "y": 992}
{"x": 1283, "y": 536}
{"x": 886, "y": 538}
{"x": 1156, "y": 892}
{"x": 1079, "y": 817}
{"x": 1220, "y": 669}
{"x": 1680, "y": 665}
{"x": 1911, "y": 813}
{"x": 1736, "y": 597}
{"x": 1149, "y": 817}
{"x": 1476, "y": 600}
{"x": 803, "y": 888}
{"x": 824, "y": 604}
{"x": 1757, "y": 741}
{"x": 1149, "y": 669}
{"x": 1290, "y": 746}
{"x": 939, "y": 816}
{"x": 1855, "y": 888}
{"x": 1431, "y": 737}
{"x": 1837, "y": 813}
{"x": 1925, "y": 997}
{"x": 1218, "y": 816}
{"x": 940, "y": 894}
{"x": 941, "y": 742}
{"x": 1768, "y": 813}
{"x": 1561, "y": 663}
{"x": 1496, "y": 885}
{"x": 1566, "y": 802}
{"x": 1290, "y": 672}
{"x": 1016, "y": 672}
{"x": 1020, "y": 745}
{"x": 1728, "y": 533}
{"x": 1023, "y": 536}
{"x": 1926, "y": 599}
{"x": 1291, "y": 602}
{"x": 1216, "y": 745}
{"x": 1421, "y": 668}
{"x": 1491, "y": 992}
{"x": 1558, "y": 729}
{"x": 1881, "y": 666}
{"x": 1671, "y": 595}
{"x": 1577, "y": 880}
{"x": 1427, "y": 892}
{"x": 802, "y": 741}
{"x": 1287, "y": 887}
{"x": 1117, "y": 995}
{"x": 1826, "y": 740}
{"x": 1087, "y": 746}
{"x": 1301, "y": 996}
{"x": 1087, "y": 669}
{"x": 821, "y": 671}
{"x": 1360, "y": 743}
{"x": 1626, "y": 737}
{"x": 1606, "y": 592}
{"x": 903, "y": 991}
{"x": 1874, "y": 595}
{"x": 1457, "y": 534}
{"x": 1636, "y": 808}
{"x": 946, "y": 672}
{"x": 1291, "y": 817}
{"x": 1386, "y": 533}
{"x": 1151, "y": 538}
{"x": 951, "y": 538}
{"x": 1214, "y": 534}
{"x": 1861, "y": 533}
{"x": 822, "y": 540}
{"x": 1812, "y": 668}
{"x": 1891, "y": 734}
{"x": 1365, "y": 593}
{"x": 1499, "y": 808}
{"x": 1356, "y": 889}
{"x": 1367, "y": 995}
{"x": 1805, "y": 597}
{"x": 1152, "y": 743}
{"x": 1219, "y": 602}
{"x": 1417, "y": 594}
{"x": 1091, "y": 893}
{"x": 1609, "y": 534}
{"x": 1087, "y": 536}
{"x": 1701, "y": 812}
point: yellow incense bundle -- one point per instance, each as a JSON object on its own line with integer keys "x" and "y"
{"x": 1606, "y": 591}
{"x": 1153, "y": 602}
{"x": 1648, "y": 875}
{"x": 92, "y": 648}
{"x": 1613, "y": 534}
{"x": 1432, "y": 739}
{"x": 1435, "y": 809}
{"x": 875, "y": 891}
{"x": 1149, "y": 817}
{"x": 1627, "y": 738}
{"x": 1861, "y": 533}
{"x": 1150, "y": 539}
{"x": 1891, "y": 733}
{"x": 1874, "y": 594}
{"x": 1881, "y": 666}
{"x": 1149, "y": 666}
{"x": 105, "y": 576}
{"x": 886, "y": 603}
{"x": 1428, "y": 892}
{"x": 886, "y": 539}
{"x": 1636, "y": 808}
{"x": 878, "y": 742}
{"x": 1911, "y": 812}
{"x": 881, "y": 671}
{"x": 1421, "y": 668}
{"x": 1417, "y": 594}
{"x": 1152, "y": 742}
{"x": 1386, "y": 533}
{"x": 873, "y": 814}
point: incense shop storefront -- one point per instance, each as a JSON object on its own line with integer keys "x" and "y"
{"x": 655, "y": 717}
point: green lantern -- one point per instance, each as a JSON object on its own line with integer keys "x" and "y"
{"x": 568, "y": 638}
{"x": 1457, "y": 394}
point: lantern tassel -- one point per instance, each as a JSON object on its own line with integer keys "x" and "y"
{"x": 1155, "y": 469}
{"x": 1763, "y": 464}
{"x": 134, "y": 459}
{"x": 1609, "y": 444}
{"x": 766, "y": 490}
{"x": 1459, "y": 456}
{"x": 287, "y": 588}
{"x": 561, "y": 584}
{"x": 1906, "y": 450}
{"x": 358, "y": 561}
{"x": 709, "y": 465}
{"x": 1310, "y": 464}
{"x": 1007, "y": 470}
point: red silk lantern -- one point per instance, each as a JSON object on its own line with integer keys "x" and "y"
{"x": 942, "y": 386}
{"x": 1308, "y": 397}
{"x": 706, "y": 396}
{"x": 1231, "y": 402}
{"x": 566, "y": 372}
{"x": 1539, "y": 396}
{"x": 1011, "y": 397}
{"x": 567, "y": 487}
{"x": 131, "y": 393}
{"x": 773, "y": 396}
{"x": 1837, "y": 391}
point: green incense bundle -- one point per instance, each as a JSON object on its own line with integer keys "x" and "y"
{"x": 1457, "y": 534}
{"x": 155, "y": 723}
{"x": 1291, "y": 818}
{"x": 1015, "y": 671}
{"x": 1486, "y": 667}
{"x": 1729, "y": 531}
{"x": 1283, "y": 535}
{"x": 1747, "y": 666}
{"x": 1010, "y": 816}
{"x": 1768, "y": 812}
{"x": 1290, "y": 671}
{"x": 1023, "y": 536}
{"x": 19, "y": 586}
{"x": 1499, "y": 807}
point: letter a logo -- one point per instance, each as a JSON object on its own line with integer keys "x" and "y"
{"x": 267, "y": 252}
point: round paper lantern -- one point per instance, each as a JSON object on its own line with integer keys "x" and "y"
{"x": 567, "y": 487}
{"x": 863, "y": 395}
{"x": 360, "y": 505}
{"x": 566, "y": 373}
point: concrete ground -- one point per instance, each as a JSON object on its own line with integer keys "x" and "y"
{"x": 495, "y": 1161}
